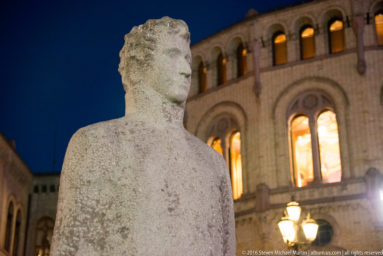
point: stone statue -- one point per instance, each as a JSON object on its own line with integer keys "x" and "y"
{"x": 141, "y": 184}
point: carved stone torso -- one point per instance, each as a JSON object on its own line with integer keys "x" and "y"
{"x": 139, "y": 190}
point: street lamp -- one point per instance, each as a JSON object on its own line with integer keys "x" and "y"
{"x": 292, "y": 226}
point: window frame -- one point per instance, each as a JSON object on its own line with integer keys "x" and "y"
{"x": 221, "y": 69}
{"x": 275, "y": 35}
{"x": 202, "y": 77}
{"x": 380, "y": 11}
{"x": 241, "y": 60}
{"x": 329, "y": 23}
{"x": 312, "y": 109}
{"x": 303, "y": 28}
{"x": 223, "y": 128}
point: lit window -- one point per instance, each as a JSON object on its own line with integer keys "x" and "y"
{"x": 279, "y": 48}
{"x": 228, "y": 144}
{"x": 379, "y": 27}
{"x": 241, "y": 61}
{"x": 236, "y": 165}
{"x": 302, "y": 151}
{"x": 329, "y": 147}
{"x": 336, "y": 36}
{"x": 202, "y": 77}
{"x": 307, "y": 43}
{"x": 314, "y": 141}
{"x": 216, "y": 144}
{"x": 221, "y": 69}
{"x": 44, "y": 232}
{"x": 8, "y": 229}
{"x": 16, "y": 240}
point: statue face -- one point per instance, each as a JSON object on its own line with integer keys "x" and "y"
{"x": 171, "y": 72}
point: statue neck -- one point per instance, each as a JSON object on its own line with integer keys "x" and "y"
{"x": 152, "y": 108}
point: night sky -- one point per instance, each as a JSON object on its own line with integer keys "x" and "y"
{"x": 59, "y": 61}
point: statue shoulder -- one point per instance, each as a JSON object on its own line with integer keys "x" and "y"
{"x": 96, "y": 131}
{"x": 206, "y": 151}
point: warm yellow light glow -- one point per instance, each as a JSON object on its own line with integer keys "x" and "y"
{"x": 287, "y": 229}
{"x": 280, "y": 39}
{"x": 280, "y": 49}
{"x": 202, "y": 77}
{"x": 223, "y": 61}
{"x": 336, "y": 36}
{"x": 302, "y": 151}
{"x": 216, "y": 144}
{"x": 236, "y": 165}
{"x": 308, "y": 32}
{"x": 310, "y": 228}
{"x": 293, "y": 210}
{"x": 379, "y": 27}
{"x": 329, "y": 147}
{"x": 336, "y": 26}
{"x": 244, "y": 52}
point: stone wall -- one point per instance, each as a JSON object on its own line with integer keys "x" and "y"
{"x": 263, "y": 120}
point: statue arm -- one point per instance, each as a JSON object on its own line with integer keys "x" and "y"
{"x": 67, "y": 232}
{"x": 228, "y": 213}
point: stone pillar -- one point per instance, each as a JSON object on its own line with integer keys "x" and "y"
{"x": 358, "y": 27}
{"x": 256, "y": 49}
{"x": 262, "y": 198}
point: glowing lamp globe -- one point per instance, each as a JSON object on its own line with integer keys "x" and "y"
{"x": 310, "y": 228}
{"x": 287, "y": 228}
{"x": 293, "y": 210}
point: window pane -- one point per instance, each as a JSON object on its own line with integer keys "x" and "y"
{"x": 8, "y": 229}
{"x": 336, "y": 36}
{"x": 241, "y": 61}
{"x": 16, "y": 239}
{"x": 202, "y": 77}
{"x": 329, "y": 147}
{"x": 307, "y": 43}
{"x": 236, "y": 165}
{"x": 221, "y": 69}
{"x": 216, "y": 144}
{"x": 280, "y": 49}
{"x": 379, "y": 27}
{"x": 302, "y": 151}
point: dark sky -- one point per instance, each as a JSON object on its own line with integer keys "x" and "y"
{"x": 59, "y": 60}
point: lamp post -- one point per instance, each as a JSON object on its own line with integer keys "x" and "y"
{"x": 295, "y": 230}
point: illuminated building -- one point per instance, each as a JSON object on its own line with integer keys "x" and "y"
{"x": 305, "y": 119}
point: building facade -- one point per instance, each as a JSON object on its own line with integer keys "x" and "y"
{"x": 293, "y": 100}
{"x": 15, "y": 184}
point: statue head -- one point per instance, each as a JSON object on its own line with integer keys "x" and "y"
{"x": 156, "y": 55}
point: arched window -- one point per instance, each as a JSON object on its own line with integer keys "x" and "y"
{"x": 314, "y": 140}
{"x": 202, "y": 77}
{"x": 279, "y": 48}
{"x": 216, "y": 144}
{"x": 44, "y": 232}
{"x": 16, "y": 240}
{"x": 235, "y": 160}
{"x": 307, "y": 41}
{"x": 8, "y": 228}
{"x": 227, "y": 142}
{"x": 336, "y": 35}
{"x": 379, "y": 26}
{"x": 221, "y": 69}
{"x": 241, "y": 60}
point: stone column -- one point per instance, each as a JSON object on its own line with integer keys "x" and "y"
{"x": 358, "y": 27}
{"x": 256, "y": 49}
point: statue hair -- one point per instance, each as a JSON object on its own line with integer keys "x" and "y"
{"x": 140, "y": 43}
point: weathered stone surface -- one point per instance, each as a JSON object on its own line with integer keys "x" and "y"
{"x": 142, "y": 184}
